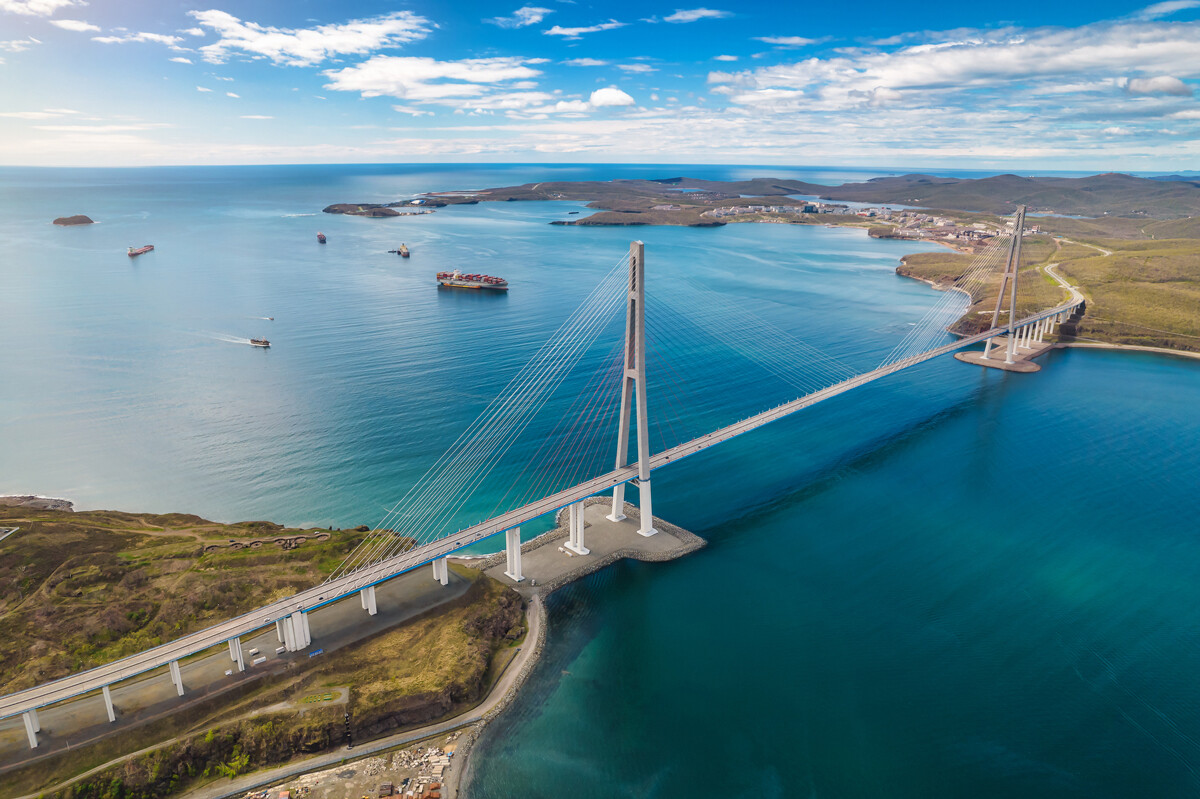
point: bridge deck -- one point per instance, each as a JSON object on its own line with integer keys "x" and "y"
{"x": 93, "y": 679}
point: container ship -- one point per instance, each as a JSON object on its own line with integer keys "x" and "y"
{"x": 139, "y": 250}
{"x": 458, "y": 280}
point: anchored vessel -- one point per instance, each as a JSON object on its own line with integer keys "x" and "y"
{"x": 139, "y": 250}
{"x": 259, "y": 342}
{"x": 320, "y": 237}
{"x": 402, "y": 252}
{"x": 457, "y": 279}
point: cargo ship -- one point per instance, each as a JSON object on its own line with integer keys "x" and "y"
{"x": 259, "y": 342}
{"x": 139, "y": 250}
{"x": 320, "y": 237}
{"x": 402, "y": 252}
{"x": 458, "y": 280}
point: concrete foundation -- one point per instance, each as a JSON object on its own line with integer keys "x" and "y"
{"x": 1022, "y": 357}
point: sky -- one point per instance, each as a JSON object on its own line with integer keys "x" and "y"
{"x": 1067, "y": 85}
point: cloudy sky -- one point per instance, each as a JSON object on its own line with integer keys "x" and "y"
{"x": 1069, "y": 85}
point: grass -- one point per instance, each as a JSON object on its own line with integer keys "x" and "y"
{"x": 78, "y": 590}
{"x": 424, "y": 670}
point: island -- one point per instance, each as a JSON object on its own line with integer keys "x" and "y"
{"x": 77, "y": 219}
{"x": 1130, "y": 244}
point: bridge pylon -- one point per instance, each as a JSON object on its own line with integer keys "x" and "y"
{"x": 1009, "y": 281}
{"x": 633, "y": 392}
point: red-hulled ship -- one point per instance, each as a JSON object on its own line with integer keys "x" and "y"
{"x": 139, "y": 250}
{"x": 320, "y": 237}
{"x": 458, "y": 280}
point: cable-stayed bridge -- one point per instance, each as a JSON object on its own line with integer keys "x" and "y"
{"x": 573, "y": 460}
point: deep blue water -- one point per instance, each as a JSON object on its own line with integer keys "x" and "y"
{"x": 950, "y": 583}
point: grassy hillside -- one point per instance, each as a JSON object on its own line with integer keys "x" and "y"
{"x": 81, "y": 589}
{"x": 426, "y": 669}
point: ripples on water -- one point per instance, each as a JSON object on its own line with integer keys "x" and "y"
{"x": 949, "y": 583}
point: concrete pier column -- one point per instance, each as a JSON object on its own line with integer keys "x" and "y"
{"x": 108, "y": 705}
{"x": 301, "y": 630}
{"x": 618, "y": 508}
{"x": 30, "y": 730}
{"x": 367, "y": 595}
{"x": 235, "y": 653}
{"x": 279, "y": 630}
{"x": 512, "y": 540}
{"x": 647, "y": 509}
{"x": 37, "y": 723}
{"x": 176, "y": 677}
{"x": 575, "y": 543}
{"x": 441, "y": 570}
{"x": 285, "y": 631}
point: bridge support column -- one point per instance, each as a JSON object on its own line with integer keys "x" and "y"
{"x": 279, "y": 630}
{"x": 367, "y": 595}
{"x": 235, "y": 653}
{"x": 300, "y": 631}
{"x": 176, "y": 677}
{"x": 441, "y": 571}
{"x": 646, "y": 508}
{"x": 31, "y": 727}
{"x": 575, "y": 544}
{"x": 618, "y": 508}
{"x": 108, "y": 705}
{"x": 512, "y": 540}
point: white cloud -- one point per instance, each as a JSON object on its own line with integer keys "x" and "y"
{"x": 74, "y": 25}
{"x": 89, "y": 129}
{"x": 1166, "y": 9}
{"x": 639, "y": 68}
{"x": 785, "y": 41}
{"x": 725, "y": 58}
{"x": 695, "y": 14}
{"x": 48, "y": 113}
{"x": 585, "y": 62}
{"x": 202, "y": 89}
{"x": 575, "y": 33}
{"x": 256, "y": 116}
{"x": 17, "y": 45}
{"x": 1191, "y": 114}
{"x": 1160, "y": 84}
{"x": 192, "y": 31}
{"x": 408, "y": 109}
{"x": 181, "y": 60}
{"x": 473, "y": 84}
{"x": 156, "y": 38}
{"x": 36, "y": 8}
{"x": 610, "y": 97}
{"x": 1117, "y": 131}
{"x": 231, "y": 94}
{"x": 522, "y": 17}
{"x": 307, "y": 46}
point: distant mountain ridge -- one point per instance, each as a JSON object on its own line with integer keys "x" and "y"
{"x": 1111, "y": 194}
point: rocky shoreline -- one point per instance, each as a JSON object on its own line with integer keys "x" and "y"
{"x": 36, "y": 502}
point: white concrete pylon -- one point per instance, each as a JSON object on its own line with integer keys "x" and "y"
{"x": 301, "y": 630}
{"x": 646, "y": 510}
{"x": 367, "y": 595}
{"x": 279, "y": 631}
{"x": 575, "y": 540}
{"x": 633, "y": 386}
{"x": 176, "y": 677}
{"x": 30, "y": 728}
{"x": 512, "y": 551}
{"x": 235, "y": 653}
{"x": 108, "y": 705}
{"x": 445, "y": 577}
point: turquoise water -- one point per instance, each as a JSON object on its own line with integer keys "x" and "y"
{"x": 950, "y": 583}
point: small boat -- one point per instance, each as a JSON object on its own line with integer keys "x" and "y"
{"x": 270, "y": 318}
{"x": 139, "y": 250}
{"x": 259, "y": 342}
{"x": 403, "y": 250}
{"x": 320, "y": 237}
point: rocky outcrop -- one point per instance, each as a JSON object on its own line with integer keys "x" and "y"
{"x": 78, "y": 219}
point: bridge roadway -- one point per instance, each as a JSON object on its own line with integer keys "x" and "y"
{"x": 312, "y": 598}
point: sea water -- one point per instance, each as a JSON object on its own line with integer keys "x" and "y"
{"x": 953, "y": 582}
